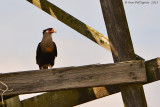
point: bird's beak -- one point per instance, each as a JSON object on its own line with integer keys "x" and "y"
{"x": 52, "y": 31}
{"x": 55, "y": 31}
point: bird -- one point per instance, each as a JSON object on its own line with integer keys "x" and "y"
{"x": 46, "y": 50}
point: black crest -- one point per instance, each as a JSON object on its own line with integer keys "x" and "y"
{"x": 47, "y": 29}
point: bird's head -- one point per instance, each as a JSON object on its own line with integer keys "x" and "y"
{"x": 49, "y": 31}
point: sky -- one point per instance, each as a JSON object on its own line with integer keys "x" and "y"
{"x": 21, "y": 26}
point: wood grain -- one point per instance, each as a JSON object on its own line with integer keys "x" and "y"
{"x": 122, "y": 48}
{"x": 74, "y": 77}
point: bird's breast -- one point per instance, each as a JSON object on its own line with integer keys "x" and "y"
{"x": 48, "y": 49}
{"x": 47, "y": 45}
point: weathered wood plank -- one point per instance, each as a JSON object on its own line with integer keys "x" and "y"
{"x": 72, "y": 22}
{"x": 152, "y": 70}
{"x": 122, "y": 48}
{"x": 13, "y": 102}
{"x": 74, "y": 77}
{"x": 63, "y": 98}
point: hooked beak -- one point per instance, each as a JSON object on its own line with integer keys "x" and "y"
{"x": 52, "y": 31}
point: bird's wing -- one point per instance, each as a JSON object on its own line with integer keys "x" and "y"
{"x": 38, "y": 52}
{"x": 55, "y": 49}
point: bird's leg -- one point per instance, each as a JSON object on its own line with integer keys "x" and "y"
{"x": 42, "y": 67}
{"x": 50, "y": 66}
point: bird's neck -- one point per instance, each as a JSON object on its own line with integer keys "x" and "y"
{"x": 47, "y": 38}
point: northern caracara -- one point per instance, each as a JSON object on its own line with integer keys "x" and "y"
{"x": 46, "y": 50}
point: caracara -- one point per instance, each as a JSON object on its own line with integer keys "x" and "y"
{"x": 46, "y": 50}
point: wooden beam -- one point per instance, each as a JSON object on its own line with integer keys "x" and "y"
{"x": 62, "y": 98}
{"x": 72, "y": 22}
{"x": 153, "y": 70}
{"x": 122, "y": 48}
{"x": 153, "y": 74}
{"x": 74, "y": 77}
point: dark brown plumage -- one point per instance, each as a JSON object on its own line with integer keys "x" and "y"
{"x": 46, "y": 50}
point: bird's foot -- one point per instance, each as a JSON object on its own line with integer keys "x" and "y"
{"x": 50, "y": 66}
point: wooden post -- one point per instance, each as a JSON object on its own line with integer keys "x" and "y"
{"x": 122, "y": 48}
